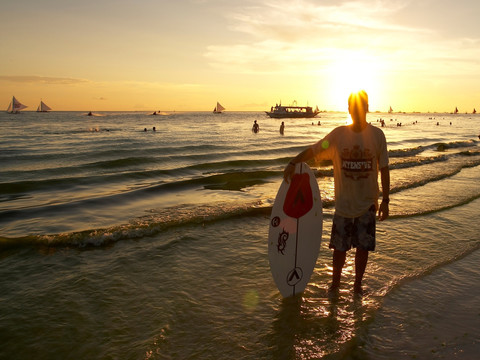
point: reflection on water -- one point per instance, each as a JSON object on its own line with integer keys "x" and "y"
{"x": 314, "y": 327}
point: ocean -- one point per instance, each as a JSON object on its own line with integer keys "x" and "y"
{"x": 121, "y": 243}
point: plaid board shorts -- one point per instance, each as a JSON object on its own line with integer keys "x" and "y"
{"x": 358, "y": 232}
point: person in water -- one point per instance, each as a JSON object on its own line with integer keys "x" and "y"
{"x": 282, "y": 128}
{"x": 359, "y": 152}
{"x": 255, "y": 127}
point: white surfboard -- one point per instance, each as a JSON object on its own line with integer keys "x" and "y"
{"x": 295, "y": 231}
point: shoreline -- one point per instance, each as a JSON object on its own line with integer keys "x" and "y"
{"x": 430, "y": 316}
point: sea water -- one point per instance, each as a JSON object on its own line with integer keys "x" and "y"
{"x": 121, "y": 243}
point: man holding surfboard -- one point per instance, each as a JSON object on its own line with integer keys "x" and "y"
{"x": 359, "y": 153}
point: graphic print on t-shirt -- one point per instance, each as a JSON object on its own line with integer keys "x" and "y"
{"x": 357, "y": 163}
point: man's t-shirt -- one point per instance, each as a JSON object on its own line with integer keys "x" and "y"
{"x": 357, "y": 158}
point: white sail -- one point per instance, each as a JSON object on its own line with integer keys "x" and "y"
{"x": 219, "y": 108}
{"x": 15, "y": 106}
{"x": 43, "y": 107}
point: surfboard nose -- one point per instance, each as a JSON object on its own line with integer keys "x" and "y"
{"x": 298, "y": 200}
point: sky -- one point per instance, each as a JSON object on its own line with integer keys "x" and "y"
{"x": 185, "y": 55}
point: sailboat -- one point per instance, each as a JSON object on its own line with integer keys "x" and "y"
{"x": 456, "y": 110}
{"x": 474, "y": 111}
{"x": 15, "y": 106}
{"x": 43, "y": 107}
{"x": 390, "y": 110}
{"x": 218, "y": 109}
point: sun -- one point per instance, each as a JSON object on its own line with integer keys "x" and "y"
{"x": 351, "y": 73}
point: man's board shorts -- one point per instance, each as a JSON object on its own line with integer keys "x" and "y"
{"x": 358, "y": 232}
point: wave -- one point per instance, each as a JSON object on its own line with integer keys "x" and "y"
{"x": 411, "y": 276}
{"x": 227, "y": 175}
{"x": 146, "y": 166}
{"x": 406, "y": 152}
{"x": 437, "y": 146}
{"x": 158, "y": 221}
{"x": 161, "y": 220}
{"x": 231, "y": 173}
{"x": 216, "y": 178}
{"x": 119, "y": 163}
{"x": 403, "y": 163}
{"x": 229, "y": 181}
{"x": 438, "y": 209}
{"x": 456, "y": 144}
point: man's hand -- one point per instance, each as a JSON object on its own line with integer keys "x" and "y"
{"x": 288, "y": 172}
{"x": 383, "y": 211}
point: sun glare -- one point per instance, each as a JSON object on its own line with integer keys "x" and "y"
{"x": 350, "y": 74}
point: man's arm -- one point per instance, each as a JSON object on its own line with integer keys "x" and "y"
{"x": 383, "y": 211}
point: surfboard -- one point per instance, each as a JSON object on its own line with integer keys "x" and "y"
{"x": 295, "y": 231}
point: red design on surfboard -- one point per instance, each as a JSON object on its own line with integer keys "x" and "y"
{"x": 298, "y": 200}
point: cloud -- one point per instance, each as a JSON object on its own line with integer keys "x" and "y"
{"x": 302, "y": 20}
{"x": 302, "y": 37}
{"x": 32, "y": 79}
{"x": 158, "y": 85}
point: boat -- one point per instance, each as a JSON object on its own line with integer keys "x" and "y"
{"x": 43, "y": 107}
{"x": 15, "y": 106}
{"x": 218, "y": 109}
{"x": 280, "y": 112}
{"x": 390, "y": 110}
{"x": 474, "y": 111}
{"x": 456, "y": 110}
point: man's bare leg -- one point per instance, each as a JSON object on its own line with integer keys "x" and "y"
{"x": 361, "y": 259}
{"x": 338, "y": 262}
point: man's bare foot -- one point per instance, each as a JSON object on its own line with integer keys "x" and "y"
{"x": 333, "y": 289}
{"x": 357, "y": 289}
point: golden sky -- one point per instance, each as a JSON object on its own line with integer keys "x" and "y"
{"x": 184, "y": 55}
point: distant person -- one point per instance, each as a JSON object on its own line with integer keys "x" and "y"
{"x": 358, "y": 152}
{"x": 154, "y": 129}
{"x": 145, "y": 129}
{"x": 255, "y": 127}
{"x": 282, "y": 128}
